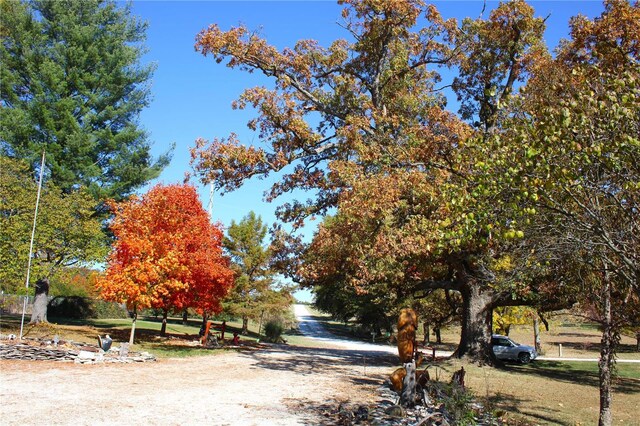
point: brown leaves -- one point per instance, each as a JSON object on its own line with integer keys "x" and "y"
{"x": 613, "y": 39}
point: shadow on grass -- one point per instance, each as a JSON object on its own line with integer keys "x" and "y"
{"x": 595, "y": 347}
{"x": 514, "y": 405}
{"x": 581, "y": 373}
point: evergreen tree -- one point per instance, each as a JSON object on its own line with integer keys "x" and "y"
{"x": 253, "y": 294}
{"x": 71, "y": 82}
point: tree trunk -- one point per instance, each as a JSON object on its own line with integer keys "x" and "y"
{"x": 185, "y": 317}
{"x": 260, "y": 325}
{"x": 536, "y": 336}
{"x": 507, "y": 329}
{"x": 426, "y": 333}
{"x": 245, "y": 326}
{"x": 39, "y": 310}
{"x": 607, "y": 351}
{"x": 163, "y": 329}
{"x": 436, "y": 330}
{"x": 477, "y": 317}
{"x": 205, "y": 317}
{"x": 133, "y": 325}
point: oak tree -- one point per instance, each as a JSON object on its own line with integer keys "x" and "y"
{"x": 67, "y": 234}
{"x": 363, "y": 125}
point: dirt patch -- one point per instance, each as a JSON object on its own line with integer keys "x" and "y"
{"x": 261, "y": 387}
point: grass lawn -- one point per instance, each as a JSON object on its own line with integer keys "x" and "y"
{"x": 180, "y": 340}
{"x": 544, "y": 392}
{"x": 549, "y": 393}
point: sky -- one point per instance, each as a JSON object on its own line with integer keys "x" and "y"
{"x": 192, "y": 94}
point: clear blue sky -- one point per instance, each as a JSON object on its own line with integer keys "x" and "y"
{"x": 192, "y": 94}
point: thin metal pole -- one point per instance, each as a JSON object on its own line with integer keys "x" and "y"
{"x": 33, "y": 233}
{"x": 210, "y": 205}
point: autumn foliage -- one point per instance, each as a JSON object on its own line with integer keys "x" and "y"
{"x": 166, "y": 255}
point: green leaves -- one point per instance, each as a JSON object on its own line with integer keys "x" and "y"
{"x": 254, "y": 291}
{"x": 72, "y": 83}
{"x": 67, "y": 231}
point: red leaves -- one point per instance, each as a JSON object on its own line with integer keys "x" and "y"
{"x": 167, "y": 254}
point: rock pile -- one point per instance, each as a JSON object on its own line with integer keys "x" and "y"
{"x": 80, "y": 353}
{"x": 34, "y": 353}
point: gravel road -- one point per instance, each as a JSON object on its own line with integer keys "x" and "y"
{"x": 275, "y": 385}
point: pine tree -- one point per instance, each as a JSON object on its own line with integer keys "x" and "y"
{"x": 71, "y": 82}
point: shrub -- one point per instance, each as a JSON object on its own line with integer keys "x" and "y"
{"x": 456, "y": 401}
{"x": 273, "y": 331}
{"x": 77, "y": 307}
{"x": 70, "y": 307}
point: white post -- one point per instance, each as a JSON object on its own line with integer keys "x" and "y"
{"x": 33, "y": 233}
{"x": 210, "y": 205}
{"x": 560, "y": 350}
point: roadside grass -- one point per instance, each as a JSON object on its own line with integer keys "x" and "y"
{"x": 543, "y": 392}
{"x": 578, "y": 340}
{"x": 546, "y": 392}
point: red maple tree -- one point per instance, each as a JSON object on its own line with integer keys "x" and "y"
{"x": 167, "y": 255}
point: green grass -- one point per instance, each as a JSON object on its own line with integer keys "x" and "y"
{"x": 547, "y": 392}
{"x": 180, "y": 341}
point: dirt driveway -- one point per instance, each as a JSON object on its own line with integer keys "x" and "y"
{"x": 279, "y": 385}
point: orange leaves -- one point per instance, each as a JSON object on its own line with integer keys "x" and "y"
{"x": 166, "y": 253}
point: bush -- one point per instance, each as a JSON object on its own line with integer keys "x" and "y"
{"x": 273, "y": 331}
{"x": 77, "y": 307}
{"x": 456, "y": 401}
{"x": 105, "y": 310}
{"x": 70, "y": 307}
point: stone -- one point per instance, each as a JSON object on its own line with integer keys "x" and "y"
{"x": 396, "y": 411}
{"x": 86, "y": 355}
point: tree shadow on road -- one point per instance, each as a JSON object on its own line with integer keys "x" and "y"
{"x": 309, "y": 361}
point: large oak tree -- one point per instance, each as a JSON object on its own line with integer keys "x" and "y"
{"x": 362, "y": 124}
{"x": 67, "y": 233}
